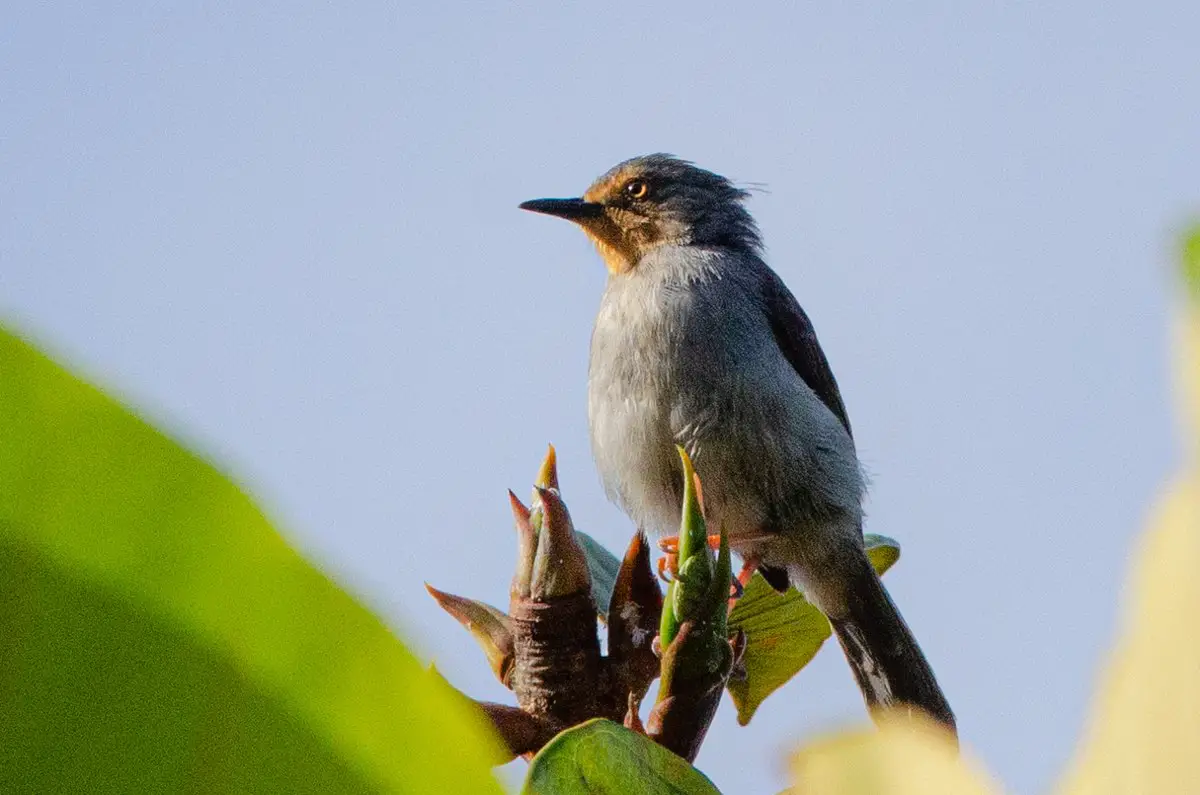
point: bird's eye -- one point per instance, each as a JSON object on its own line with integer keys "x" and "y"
{"x": 637, "y": 189}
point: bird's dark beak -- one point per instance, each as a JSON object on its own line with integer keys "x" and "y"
{"x": 571, "y": 209}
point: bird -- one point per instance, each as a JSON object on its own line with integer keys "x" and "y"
{"x": 698, "y": 343}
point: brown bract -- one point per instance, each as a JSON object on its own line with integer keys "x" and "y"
{"x": 547, "y": 651}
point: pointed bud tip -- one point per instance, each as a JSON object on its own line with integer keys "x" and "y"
{"x": 526, "y": 546}
{"x": 692, "y": 532}
{"x": 548, "y": 473}
{"x": 520, "y": 512}
{"x": 560, "y": 566}
{"x": 686, "y": 460}
{"x": 555, "y": 515}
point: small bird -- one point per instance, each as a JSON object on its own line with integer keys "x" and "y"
{"x": 698, "y": 343}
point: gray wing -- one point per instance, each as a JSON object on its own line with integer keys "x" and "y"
{"x": 797, "y": 339}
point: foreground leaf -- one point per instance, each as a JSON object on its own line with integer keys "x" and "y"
{"x": 159, "y": 635}
{"x": 784, "y": 632}
{"x": 904, "y": 757}
{"x": 1144, "y": 731}
{"x": 1191, "y": 263}
{"x": 603, "y": 757}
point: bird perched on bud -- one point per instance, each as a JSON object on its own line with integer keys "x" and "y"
{"x": 698, "y": 343}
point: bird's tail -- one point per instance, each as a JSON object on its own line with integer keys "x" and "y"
{"x": 887, "y": 662}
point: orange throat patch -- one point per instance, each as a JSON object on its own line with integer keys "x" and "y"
{"x": 618, "y": 255}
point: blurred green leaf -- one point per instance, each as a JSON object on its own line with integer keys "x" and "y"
{"x": 603, "y": 567}
{"x": 160, "y": 636}
{"x": 784, "y": 632}
{"x": 600, "y": 757}
{"x": 1191, "y": 261}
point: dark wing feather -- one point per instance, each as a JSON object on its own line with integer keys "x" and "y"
{"x": 798, "y": 340}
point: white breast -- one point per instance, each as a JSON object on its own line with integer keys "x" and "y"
{"x": 629, "y": 404}
{"x": 684, "y": 354}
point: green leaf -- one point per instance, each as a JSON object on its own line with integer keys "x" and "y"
{"x": 600, "y": 757}
{"x": 160, "y": 636}
{"x": 882, "y": 551}
{"x": 603, "y": 567}
{"x": 784, "y": 632}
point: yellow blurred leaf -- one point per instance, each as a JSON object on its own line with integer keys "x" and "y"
{"x": 904, "y": 757}
{"x": 1145, "y": 730}
{"x": 1187, "y": 376}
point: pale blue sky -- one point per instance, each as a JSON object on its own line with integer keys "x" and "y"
{"x": 289, "y": 233}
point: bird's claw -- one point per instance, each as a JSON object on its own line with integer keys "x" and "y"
{"x": 670, "y": 544}
{"x": 668, "y": 565}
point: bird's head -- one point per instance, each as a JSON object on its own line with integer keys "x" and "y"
{"x": 655, "y": 200}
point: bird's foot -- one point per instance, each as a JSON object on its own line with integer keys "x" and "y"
{"x": 668, "y": 565}
{"x": 741, "y": 580}
{"x": 747, "y": 572}
{"x": 670, "y": 544}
